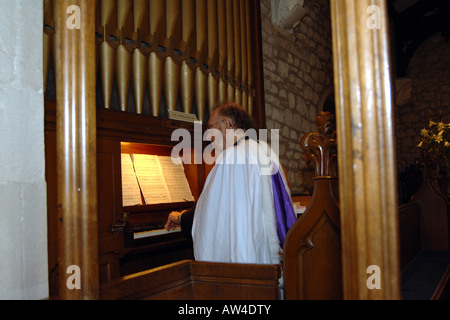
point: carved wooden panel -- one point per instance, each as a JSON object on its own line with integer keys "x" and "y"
{"x": 312, "y": 249}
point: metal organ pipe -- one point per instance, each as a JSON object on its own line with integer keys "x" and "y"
{"x": 124, "y": 51}
{"x": 140, "y": 54}
{"x": 196, "y": 52}
{"x": 156, "y": 57}
{"x": 173, "y": 63}
{"x": 237, "y": 51}
{"x": 230, "y": 50}
{"x": 107, "y": 49}
{"x": 249, "y": 58}
{"x": 244, "y": 71}
{"x": 187, "y": 67}
{"x": 223, "y": 50}
{"x": 201, "y": 53}
{"x": 212, "y": 60}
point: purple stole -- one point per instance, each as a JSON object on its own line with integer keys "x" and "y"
{"x": 283, "y": 207}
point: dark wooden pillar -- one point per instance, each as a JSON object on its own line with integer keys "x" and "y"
{"x": 366, "y": 153}
{"x": 76, "y": 148}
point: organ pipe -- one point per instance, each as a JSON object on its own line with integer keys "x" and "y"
{"x": 124, "y": 51}
{"x": 156, "y": 58}
{"x": 107, "y": 49}
{"x": 237, "y": 51}
{"x": 223, "y": 50}
{"x": 187, "y": 67}
{"x": 212, "y": 59}
{"x": 230, "y": 50}
{"x": 249, "y": 58}
{"x": 140, "y": 54}
{"x": 172, "y": 64}
{"x": 196, "y": 52}
{"x": 244, "y": 71}
{"x": 201, "y": 49}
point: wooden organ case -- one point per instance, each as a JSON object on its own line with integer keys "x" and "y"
{"x": 153, "y": 57}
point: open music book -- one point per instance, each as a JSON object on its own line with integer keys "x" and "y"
{"x": 157, "y": 177}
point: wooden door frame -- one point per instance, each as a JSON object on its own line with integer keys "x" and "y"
{"x": 76, "y": 149}
{"x": 366, "y": 149}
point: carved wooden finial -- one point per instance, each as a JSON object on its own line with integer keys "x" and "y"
{"x": 320, "y": 147}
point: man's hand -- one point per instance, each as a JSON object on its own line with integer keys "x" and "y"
{"x": 173, "y": 220}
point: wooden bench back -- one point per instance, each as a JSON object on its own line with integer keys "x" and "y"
{"x": 312, "y": 250}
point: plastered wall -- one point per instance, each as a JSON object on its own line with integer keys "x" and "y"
{"x": 23, "y": 226}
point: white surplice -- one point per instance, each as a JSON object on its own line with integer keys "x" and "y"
{"x": 235, "y": 218}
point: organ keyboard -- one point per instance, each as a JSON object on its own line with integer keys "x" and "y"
{"x": 153, "y": 233}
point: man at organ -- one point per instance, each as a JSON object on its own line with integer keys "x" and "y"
{"x": 245, "y": 209}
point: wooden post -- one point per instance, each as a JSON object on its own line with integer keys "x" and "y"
{"x": 366, "y": 153}
{"x": 76, "y": 149}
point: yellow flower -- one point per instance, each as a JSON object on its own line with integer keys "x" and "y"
{"x": 436, "y": 142}
{"x": 424, "y": 132}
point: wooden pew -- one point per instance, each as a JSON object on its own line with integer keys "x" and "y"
{"x": 312, "y": 250}
{"x": 193, "y": 280}
{"x": 424, "y": 233}
{"x": 312, "y": 267}
{"x": 409, "y": 232}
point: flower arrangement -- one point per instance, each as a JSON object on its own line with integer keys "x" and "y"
{"x": 436, "y": 142}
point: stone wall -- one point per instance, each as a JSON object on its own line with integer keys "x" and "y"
{"x": 298, "y": 77}
{"x": 429, "y": 70}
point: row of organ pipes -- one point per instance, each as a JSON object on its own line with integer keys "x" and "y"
{"x": 198, "y": 50}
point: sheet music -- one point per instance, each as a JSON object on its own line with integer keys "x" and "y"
{"x": 159, "y": 179}
{"x": 151, "y": 179}
{"x": 176, "y": 181}
{"x": 131, "y": 194}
